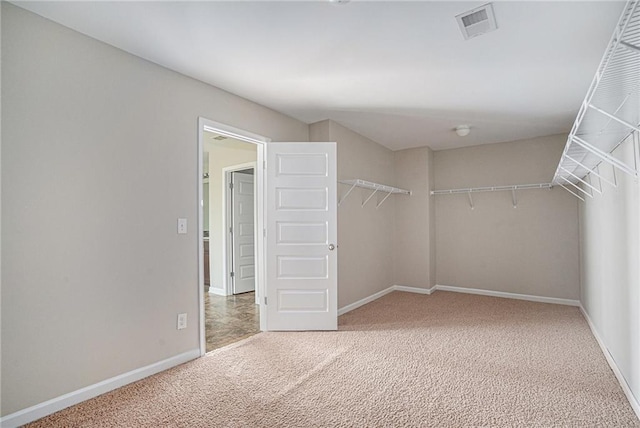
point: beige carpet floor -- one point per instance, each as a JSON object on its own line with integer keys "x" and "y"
{"x": 405, "y": 360}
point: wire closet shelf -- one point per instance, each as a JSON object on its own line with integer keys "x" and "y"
{"x": 610, "y": 112}
{"x": 376, "y": 187}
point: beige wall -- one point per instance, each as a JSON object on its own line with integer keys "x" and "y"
{"x": 610, "y": 262}
{"x": 414, "y": 238}
{"x": 365, "y": 234}
{"x": 532, "y": 249}
{"x": 99, "y": 159}
{"x": 222, "y": 155}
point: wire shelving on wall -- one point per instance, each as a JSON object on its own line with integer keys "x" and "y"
{"x": 376, "y": 187}
{"x": 609, "y": 114}
{"x": 512, "y": 189}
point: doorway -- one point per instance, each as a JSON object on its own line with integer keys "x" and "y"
{"x": 231, "y": 256}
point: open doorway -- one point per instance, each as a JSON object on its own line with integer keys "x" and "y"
{"x": 231, "y": 253}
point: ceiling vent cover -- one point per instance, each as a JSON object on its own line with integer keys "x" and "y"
{"x": 477, "y": 21}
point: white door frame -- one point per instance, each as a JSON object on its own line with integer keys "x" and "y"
{"x": 261, "y": 145}
{"x": 228, "y": 221}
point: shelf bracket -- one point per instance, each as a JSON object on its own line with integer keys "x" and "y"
{"x": 578, "y": 187}
{"x": 384, "y": 199}
{"x": 514, "y": 198}
{"x": 581, "y": 180}
{"x": 370, "y": 196}
{"x": 592, "y": 171}
{"x": 570, "y": 191}
{"x": 605, "y": 157}
{"x": 470, "y": 200}
{"x": 346, "y": 194}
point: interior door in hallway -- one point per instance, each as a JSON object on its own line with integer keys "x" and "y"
{"x": 243, "y": 229}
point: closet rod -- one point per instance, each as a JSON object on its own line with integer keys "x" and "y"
{"x": 493, "y": 189}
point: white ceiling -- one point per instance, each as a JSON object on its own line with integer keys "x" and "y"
{"x": 399, "y": 73}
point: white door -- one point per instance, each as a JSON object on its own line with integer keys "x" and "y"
{"x": 243, "y": 255}
{"x": 302, "y": 286}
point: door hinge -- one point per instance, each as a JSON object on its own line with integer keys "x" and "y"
{"x": 231, "y": 230}
{"x": 264, "y": 232}
{"x": 231, "y": 186}
{"x": 233, "y": 274}
{"x": 264, "y": 164}
{"x": 265, "y": 300}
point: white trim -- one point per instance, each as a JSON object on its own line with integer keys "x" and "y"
{"x": 49, "y": 407}
{"x": 369, "y": 299}
{"x": 364, "y": 301}
{"x": 200, "y": 240}
{"x": 217, "y": 291}
{"x": 503, "y": 294}
{"x": 261, "y": 185}
{"x": 427, "y": 291}
{"x": 414, "y": 289}
{"x": 633, "y": 401}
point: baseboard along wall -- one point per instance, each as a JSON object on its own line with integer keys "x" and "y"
{"x": 41, "y": 410}
{"x": 418, "y": 290}
{"x": 633, "y": 401}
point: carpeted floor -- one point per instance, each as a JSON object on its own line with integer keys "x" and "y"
{"x": 405, "y": 360}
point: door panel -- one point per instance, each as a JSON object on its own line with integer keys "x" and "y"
{"x": 301, "y": 235}
{"x": 243, "y": 259}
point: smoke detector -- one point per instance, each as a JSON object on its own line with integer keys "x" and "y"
{"x": 463, "y": 130}
{"x": 477, "y": 21}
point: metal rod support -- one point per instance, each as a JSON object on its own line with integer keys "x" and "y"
{"x": 580, "y": 179}
{"x": 629, "y": 46}
{"x": 577, "y": 187}
{"x": 514, "y": 199}
{"x": 570, "y": 191}
{"x": 591, "y": 171}
{"x": 617, "y": 119}
{"x": 606, "y": 157}
{"x": 470, "y": 200}
{"x": 384, "y": 199}
{"x": 346, "y": 194}
{"x": 370, "y": 196}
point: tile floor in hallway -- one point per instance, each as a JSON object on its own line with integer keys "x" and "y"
{"x": 229, "y": 319}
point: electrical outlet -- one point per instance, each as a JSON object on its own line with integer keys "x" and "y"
{"x": 182, "y": 321}
{"x": 182, "y": 226}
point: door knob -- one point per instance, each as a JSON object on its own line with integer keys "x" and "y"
{"x": 332, "y": 247}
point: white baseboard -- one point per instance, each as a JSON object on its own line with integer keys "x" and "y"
{"x": 507, "y": 295}
{"x": 41, "y": 410}
{"x": 379, "y": 294}
{"x": 217, "y": 291}
{"x": 364, "y": 301}
{"x": 413, "y": 289}
{"x": 635, "y": 404}
{"x": 478, "y": 291}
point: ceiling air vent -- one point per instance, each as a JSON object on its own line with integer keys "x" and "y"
{"x": 477, "y": 21}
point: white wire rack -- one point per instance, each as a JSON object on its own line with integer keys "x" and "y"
{"x": 610, "y": 112}
{"x": 389, "y": 190}
{"x": 512, "y": 189}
